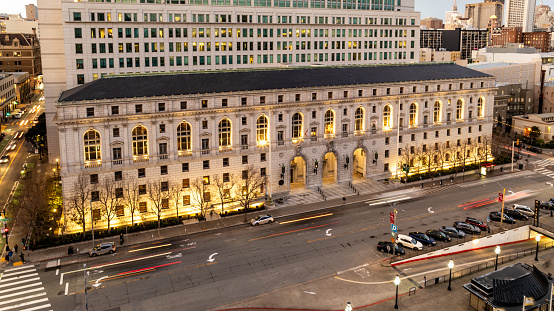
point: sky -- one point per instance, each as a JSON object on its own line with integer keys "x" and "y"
{"x": 428, "y": 8}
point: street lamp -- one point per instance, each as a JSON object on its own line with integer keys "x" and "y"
{"x": 450, "y": 266}
{"x": 537, "y": 238}
{"x": 497, "y": 251}
{"x": 396, "y": 282}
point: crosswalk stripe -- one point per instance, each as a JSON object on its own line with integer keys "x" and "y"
{"x": 23, "y": 304}
{"x": 19, "y": 287}
{"x": 22, "y": 293}
{"x": 8, "y": 274}
{"x": 20, "y": 268}
{"x": 4, "y": 280}
{"x": 37, "y": 307}
{"x": 7, "y": 302}
{"x": 24, "y": 281}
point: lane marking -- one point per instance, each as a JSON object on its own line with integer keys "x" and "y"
{"x": 23, "y": 292}
{"x": 6, "y": 302}
{"x": 306, "y": 218}
{"x": 66, "y": 288}
{"x": 293, "y": 231}
{"x": 20, "y": 287}
{"x": 24, "y": 304}
{"x": 151, "y": 247}
{"x": 211, "y": 258}
{"x": 18, "y": 277}
{"x": 37, "y": 307}
{"x": 24, "y": 281}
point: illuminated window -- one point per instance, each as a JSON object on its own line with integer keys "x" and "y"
{"x": 459, "y": 109}
{"x": 413, "y": 114}
{"x": 297, "y": 125}
{"x": 92, "y": 145}
{"x": 140, "y": 141}
{"x": 480, "y": 107}
{"x": 359, "y": 119}
{"x": 261, "y": 130}
{"x": 183, "y": 137}
{"x": 386, "y": 116}
{"x": 437, "y": 112}
{"x": 224, "y": 133}
{"x": 329, "y": 122}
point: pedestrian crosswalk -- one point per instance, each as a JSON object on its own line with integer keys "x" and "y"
{"x": 540, "y": 167}
{"x": 21, "y": 289}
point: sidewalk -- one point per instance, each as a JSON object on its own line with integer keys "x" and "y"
{"x": 238, "y": 220}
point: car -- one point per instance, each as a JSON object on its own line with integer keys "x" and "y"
{"x": 495, "y": 216}
{"x": 262, "y": 219}
{"x": 386, "y": 246}
{"x": 11, "y": 146}
{"x": 546, "y": 205}
{"x": 19, "y": 135}
{"x": 476, "y": 222}
{"x": 515, "y": 214}
{"x": 453, "y": 232}
{"x": 423, "y": 238}
{"x": 409, "y": 242}
{"x": 438, "y": 235}
{"x": 103, "y": 248}
{"x": 5, "y": 158}
{"x": 525, "y": 210}
{"x": 534, "y": 149}
{"x": 467, "y": 228}
{"x": 18, "y": 115}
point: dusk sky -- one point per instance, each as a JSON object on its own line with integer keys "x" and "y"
{"x": 434, "y": 8}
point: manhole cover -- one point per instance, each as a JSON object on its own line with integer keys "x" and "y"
{"x": 61, "y": 293}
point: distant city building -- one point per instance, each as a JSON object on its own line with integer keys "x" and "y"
{"x": 31, "y": 12}
{"x": 544, "y": 121}
{"x": 17, "y": 24}
{"x": 427, "y": 55}
{"x": 20, "y": 53}
{"x": 462, "y": 40}
{"x": 539, "y": 40}
{"x": 540, "y": 10}
{"x": 506, "y": 35}
{"x": 7, "y": 95}
{"x": 481, "y": 13}
{"x": 432, "y": 23}
{"x": 22, "y": 82}
{"x": 520, "y": 13}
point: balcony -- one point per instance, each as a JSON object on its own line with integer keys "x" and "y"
{"x": 329, "y": 136}
{"x": 297, "y": 140}
{"x": 358, "y": 133}
{"x": 344, "y": 134}
{"x": 164, "y": 156}
{"x": 117, "y": 162}
{"x": 243, "y": 147}
{"x": 184, "y": 153}
{"x": 143, "y": 158}
{"x": 225, "y": 148}
{"x": 205, "y": 151}
{"x": 91, "y": 164}
{"x": 280, "y": 142}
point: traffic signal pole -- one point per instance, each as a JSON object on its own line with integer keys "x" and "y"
{"x": 503, "y": 199}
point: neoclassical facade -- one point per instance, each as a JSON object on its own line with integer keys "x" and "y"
{"x": 299, "y": 127}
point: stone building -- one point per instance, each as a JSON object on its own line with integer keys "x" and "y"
{"x": 20, "y": 52}
{"x": 299, "y": 128}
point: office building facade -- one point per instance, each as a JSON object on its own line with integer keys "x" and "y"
{"x": 520, "y": 13}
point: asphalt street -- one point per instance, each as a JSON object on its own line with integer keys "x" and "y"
{"x": 217, "y": 268}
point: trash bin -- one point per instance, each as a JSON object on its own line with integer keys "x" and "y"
{"x": 70, "y": 250}
{"x": 520, "y": 166}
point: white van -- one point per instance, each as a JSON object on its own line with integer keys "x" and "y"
{"x": 409, "y": 242}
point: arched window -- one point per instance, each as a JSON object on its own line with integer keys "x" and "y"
{"x": 386, "y": 116}
{"x": 480, "y": 107}
{"x": 329, "y": 122}
{"x": 413, "y": 114}
{"x": 183, "y": 137}
{"x": 224, "y": 133}
{"x": 437, "y": 112}
{"x": 91, "y": 142}
{"x": 459, "y": 109}
{"x": 359, "y": 119}
{"x": 261, "y": 130}
{"x": 140, "y": 141}
{"x": 296, "y": 125}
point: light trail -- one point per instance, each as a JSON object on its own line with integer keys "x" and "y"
{"x": 306, "y": 218}
{"x": 293, "y": 231}
{"x": 151, "y": 247}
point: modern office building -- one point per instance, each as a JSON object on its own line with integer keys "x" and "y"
{"x": 481, "y": 13}
{"x": 520, "y": 13}
{"x": 296, "y": 127}
{"x": 432, "y": 23}
{"x": 462, "y": 40}
{"x": 103, "y": 38}
{"x": 7, "y": 95}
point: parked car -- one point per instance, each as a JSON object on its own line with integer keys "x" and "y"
{"x": 453, "y": 232}
{"x": 101, "y": 249}
{"x": 385, "y": 246}
{"x": 495, "y": 216}
{"x": 476, "y": 222}
{"x": 525, "y": 210}
{"x": 409, "y": 242}
{"x": 438, "y": 235}
{"x": 262, "y": 219}
{"x": 547, "y": 205}
{"x": 423, "y": 238}
{"x": 5, "y": 158}
{"x": 467, "y": 228}
{"x": 534, "y": 149}
{"x": 515, "y": 214}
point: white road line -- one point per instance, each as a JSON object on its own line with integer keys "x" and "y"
{"x": 25, "y": 281}
{"x": 24, "y": 304}
{"x": 17, "y": 272}
{"x": 19, "y": 268}
{"x": 23, "y": 292}
{"x": 57, "y": 271}
{"x": 20, "y": 287}
{"x": 61, "y": 279}
{"x": 19, "y": 299}
{"x": 18, "y": 277}
{"x": 37, "y": 307}
{"x": 66, "y": 288}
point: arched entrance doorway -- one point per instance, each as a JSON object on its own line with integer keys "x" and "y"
{"x": 359, "y": 163}
{"x": 297, "y": 173}
{"x": 329, "y": 172}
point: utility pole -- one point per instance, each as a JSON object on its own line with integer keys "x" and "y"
{"x": 502, "y": 212}
{"x": 91, "y": 222}
{"x": 513, "y": 147}
{"x": 86, "y": 295}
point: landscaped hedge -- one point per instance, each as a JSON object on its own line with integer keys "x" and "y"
{"x": 260, "y": 207}
{"x": 470, "y": 167}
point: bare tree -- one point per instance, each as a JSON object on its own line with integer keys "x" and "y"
{"x": 224, "y": 188}
{"x": 408, "y": 158}
{"x": 131, "y": 196}
{"x": 79, "y": 201}
{"x": 110, "y": 198}
{"x": 158, "y": 193}
{"x": 175, "y": 192}
{"x": 201, "y": 196}
{"x": 248, "y": 187}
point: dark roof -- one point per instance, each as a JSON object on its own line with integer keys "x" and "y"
{"x": 150, "y": 85}
{"x": 24, "y": 39}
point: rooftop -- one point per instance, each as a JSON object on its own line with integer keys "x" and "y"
{"x": 202, "y": 82}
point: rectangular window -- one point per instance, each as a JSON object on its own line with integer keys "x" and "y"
{"x": 90, "y": 112}
{"x": 206, "y": 164}
{"x": 204, "y": 103}
{"x": 186, "y": 200}
{"x": 142, "y": 189}
{"x": 244, "y": 159}
{"x": 224, "y": 102}
{"x": 165, "y": 187}
{"x": 262, "y": 157}
{"x": 93, "y": 179}
{"x": 186, "y": 182}
{"x": 118, "y": 175}
{"x": 163, "y": 170}
{"x": 243, "y": 101}
{"x": 138, "y": 108}
{"x": 115, "y": 132}
{"x": 183, "y": 105}
{"x": 115, "y": 110}
{"x": 225, "y": 162}
{"x": 141, "y": 172}
{"x": 161, "y": 106}
{"x": 226, "y": 177}
{"x": 143, "y": 207}
{"x": 116, "y": 154}
{"x": 184, "y": 167}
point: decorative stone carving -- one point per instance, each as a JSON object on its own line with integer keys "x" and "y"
{"x": 281, "y": 155}
{"x": 314, "y": 150}
{"x": 373, "y": 143}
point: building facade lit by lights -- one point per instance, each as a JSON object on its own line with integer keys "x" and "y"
{"x": 299, "y": 128}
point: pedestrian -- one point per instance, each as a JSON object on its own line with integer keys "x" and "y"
{"x": 343, "y": 200}
{"x": 7, "y": 248}
{"x": 22, "y": 256}
{"x": 551, "y": 214}
{"x": 488, "y": 229}
{"x": 10, "y": 254}
{"x": 15, "y": 247}
{"x": 121, "y": 240}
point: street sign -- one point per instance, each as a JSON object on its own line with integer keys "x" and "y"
{"x": 5, "y": 219}
{"x": 500, "y": 197}
{"x": 391, "y": 217}
{"x": 393, "y": 228}
{"x": 392, "y": 239}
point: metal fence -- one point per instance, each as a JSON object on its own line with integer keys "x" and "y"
{"x": 467, "y": 238}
